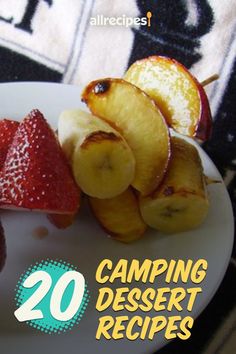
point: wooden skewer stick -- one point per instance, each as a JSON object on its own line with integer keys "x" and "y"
{"x": 210, "y": 79}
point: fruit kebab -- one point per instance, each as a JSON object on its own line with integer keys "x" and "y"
{"x": 120, "y": 154}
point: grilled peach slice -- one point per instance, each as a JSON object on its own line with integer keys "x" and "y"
{"x": 138, "y": 119}
{"x": 178, "y": 94}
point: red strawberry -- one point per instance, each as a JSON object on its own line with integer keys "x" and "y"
{"x": 7, "y": 132}
{"x": 2, "y": 248}
{"x": 36, "y": 174}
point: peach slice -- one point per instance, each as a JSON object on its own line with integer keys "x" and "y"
{"x": 138, "y": 119}
{"x": 178, "y": 94}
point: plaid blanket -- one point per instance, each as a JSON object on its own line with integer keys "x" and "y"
{"x": 68, "y": 41}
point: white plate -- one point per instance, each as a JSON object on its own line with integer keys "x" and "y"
{"x": 85, "y": 245}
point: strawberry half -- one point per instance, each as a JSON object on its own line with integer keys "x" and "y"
{"x": 7, "y": 131}
{"x": 36, "y": 174}
{"x": 2, "y": 247}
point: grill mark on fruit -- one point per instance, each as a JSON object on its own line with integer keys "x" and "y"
{"x": 101, "y": 87}
{"x": 97, "y": 88}
{"x": 168, "y": 191}
{"x": 186, "y": 193}
{"x": 112, "y": 124}
{"x": 98, "y": 137}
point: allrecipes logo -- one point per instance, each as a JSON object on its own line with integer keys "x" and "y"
{"x": 126, "y": 21}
